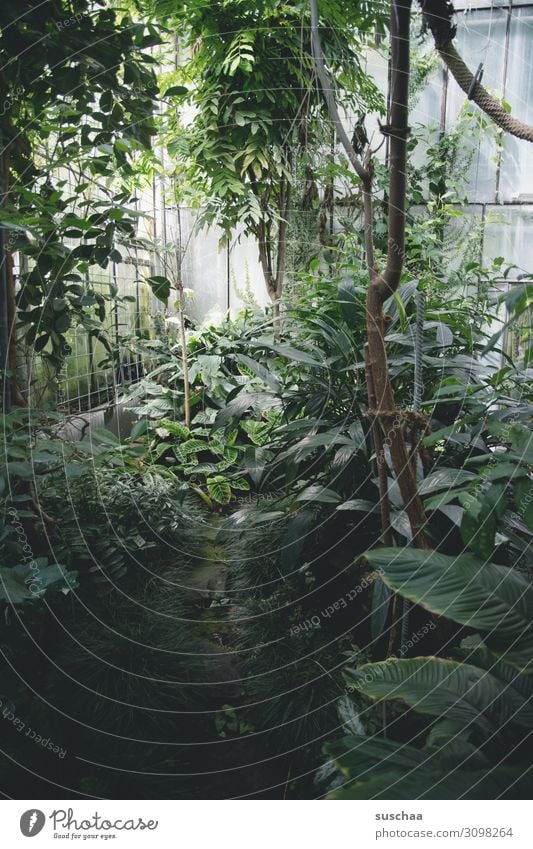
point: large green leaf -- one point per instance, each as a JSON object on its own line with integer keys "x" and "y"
{"x": 102, "y": 434}
{"x": 28, "y": 582}
{"x": 366, "y": 759}
{"x": 294, "y": 539}
{"x": 12, "y": 587}
{"x": 260, "y": 370}
{"x": 258, "y": 432}
{"x": 523, "y": 500}
{"x": 519, "y": 437}
{"x": 494, "y": 599}
{"x": 290, "y": 353}
{"x": 377, "y": 768}
{"x": 356, "y": 755}
{"x": 161, "y": 287}
{"x": 316, "y": 492}
{"x": 219, "y": 489}
{"x": 347, "y": 299}
{"x": 445, "y": 479}
{"x": 237, "y": 406}
{"x": 510, "y": 676}
{"x": 310, "y": 443}
{"x": 443, "y": 688}
{"x": 481, "y": 517}
{"x": 21, "y": 469}
{"x": 450, "y": 743}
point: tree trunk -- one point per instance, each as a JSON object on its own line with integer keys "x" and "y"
{"x": 265, "y": 259}
{"x": 386, "y": 417}
{"x": 283, "y": 228}
{"x": 381, "y": 286}
{"x": 183, "y": 336}
{"x": 16, "y": 396}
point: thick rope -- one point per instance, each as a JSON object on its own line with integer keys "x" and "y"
{"x": 487, "y": 103}
{"x": 439, "y": 19}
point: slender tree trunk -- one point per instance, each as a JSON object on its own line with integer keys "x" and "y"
{"x": 265, "y": 258}
{"x": 383, "y": 285}
{"x": 281, "y": 258}
{"x": 271, "y": 279}
{"x": 389, "y": 417}
{"x": 283, "y": 228}
{"x": 183, "y": 335}
{"x": 383, "y": 409}
{"x": 184, "y": 358}
{"x": 275, "y": 277}
{"x": 377, "y": 438}
{"x": 16, "y": 395}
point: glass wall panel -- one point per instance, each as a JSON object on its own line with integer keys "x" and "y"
{"x": 425, "y": 110}
{"x": 425, "y": 106}
{"x": 247, "y": 283}
{"x": 509, "y": 233}
{"x": 481, "y": 38}
{"x": 463, "y": 239}
{"x": 204, "y": 269}
{"x": 516, "y": 181}
{"x": 469, "y": 5}
{"x": 376, "y": 65}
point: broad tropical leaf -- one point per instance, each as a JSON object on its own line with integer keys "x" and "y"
{"x": 445, "y": 479}
{"x": 260, "y": 370}
{"x": 28, "y": 582}
{"x": 383, "y": 769}
{"x": 495, "y": 599}
{"x": 444, "y": 688}
{"x": 378, "y": 768}
{"x": 219, "y": 489}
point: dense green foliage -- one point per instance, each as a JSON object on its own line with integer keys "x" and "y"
{"x": 78, "y": 91}
{"x": 279, "y": 444}
{"x": 256, "y": 117}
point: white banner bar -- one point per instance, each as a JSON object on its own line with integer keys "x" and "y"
{"x": 267, "y": 825}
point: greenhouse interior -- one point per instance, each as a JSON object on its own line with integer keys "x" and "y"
{"x": 265, "y": 337}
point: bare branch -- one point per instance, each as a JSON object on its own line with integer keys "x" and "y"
{"x": 325, "y": 85}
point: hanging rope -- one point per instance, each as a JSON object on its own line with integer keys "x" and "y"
{"x": 438, "y": 17}
{"x": 479, "y": 95}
